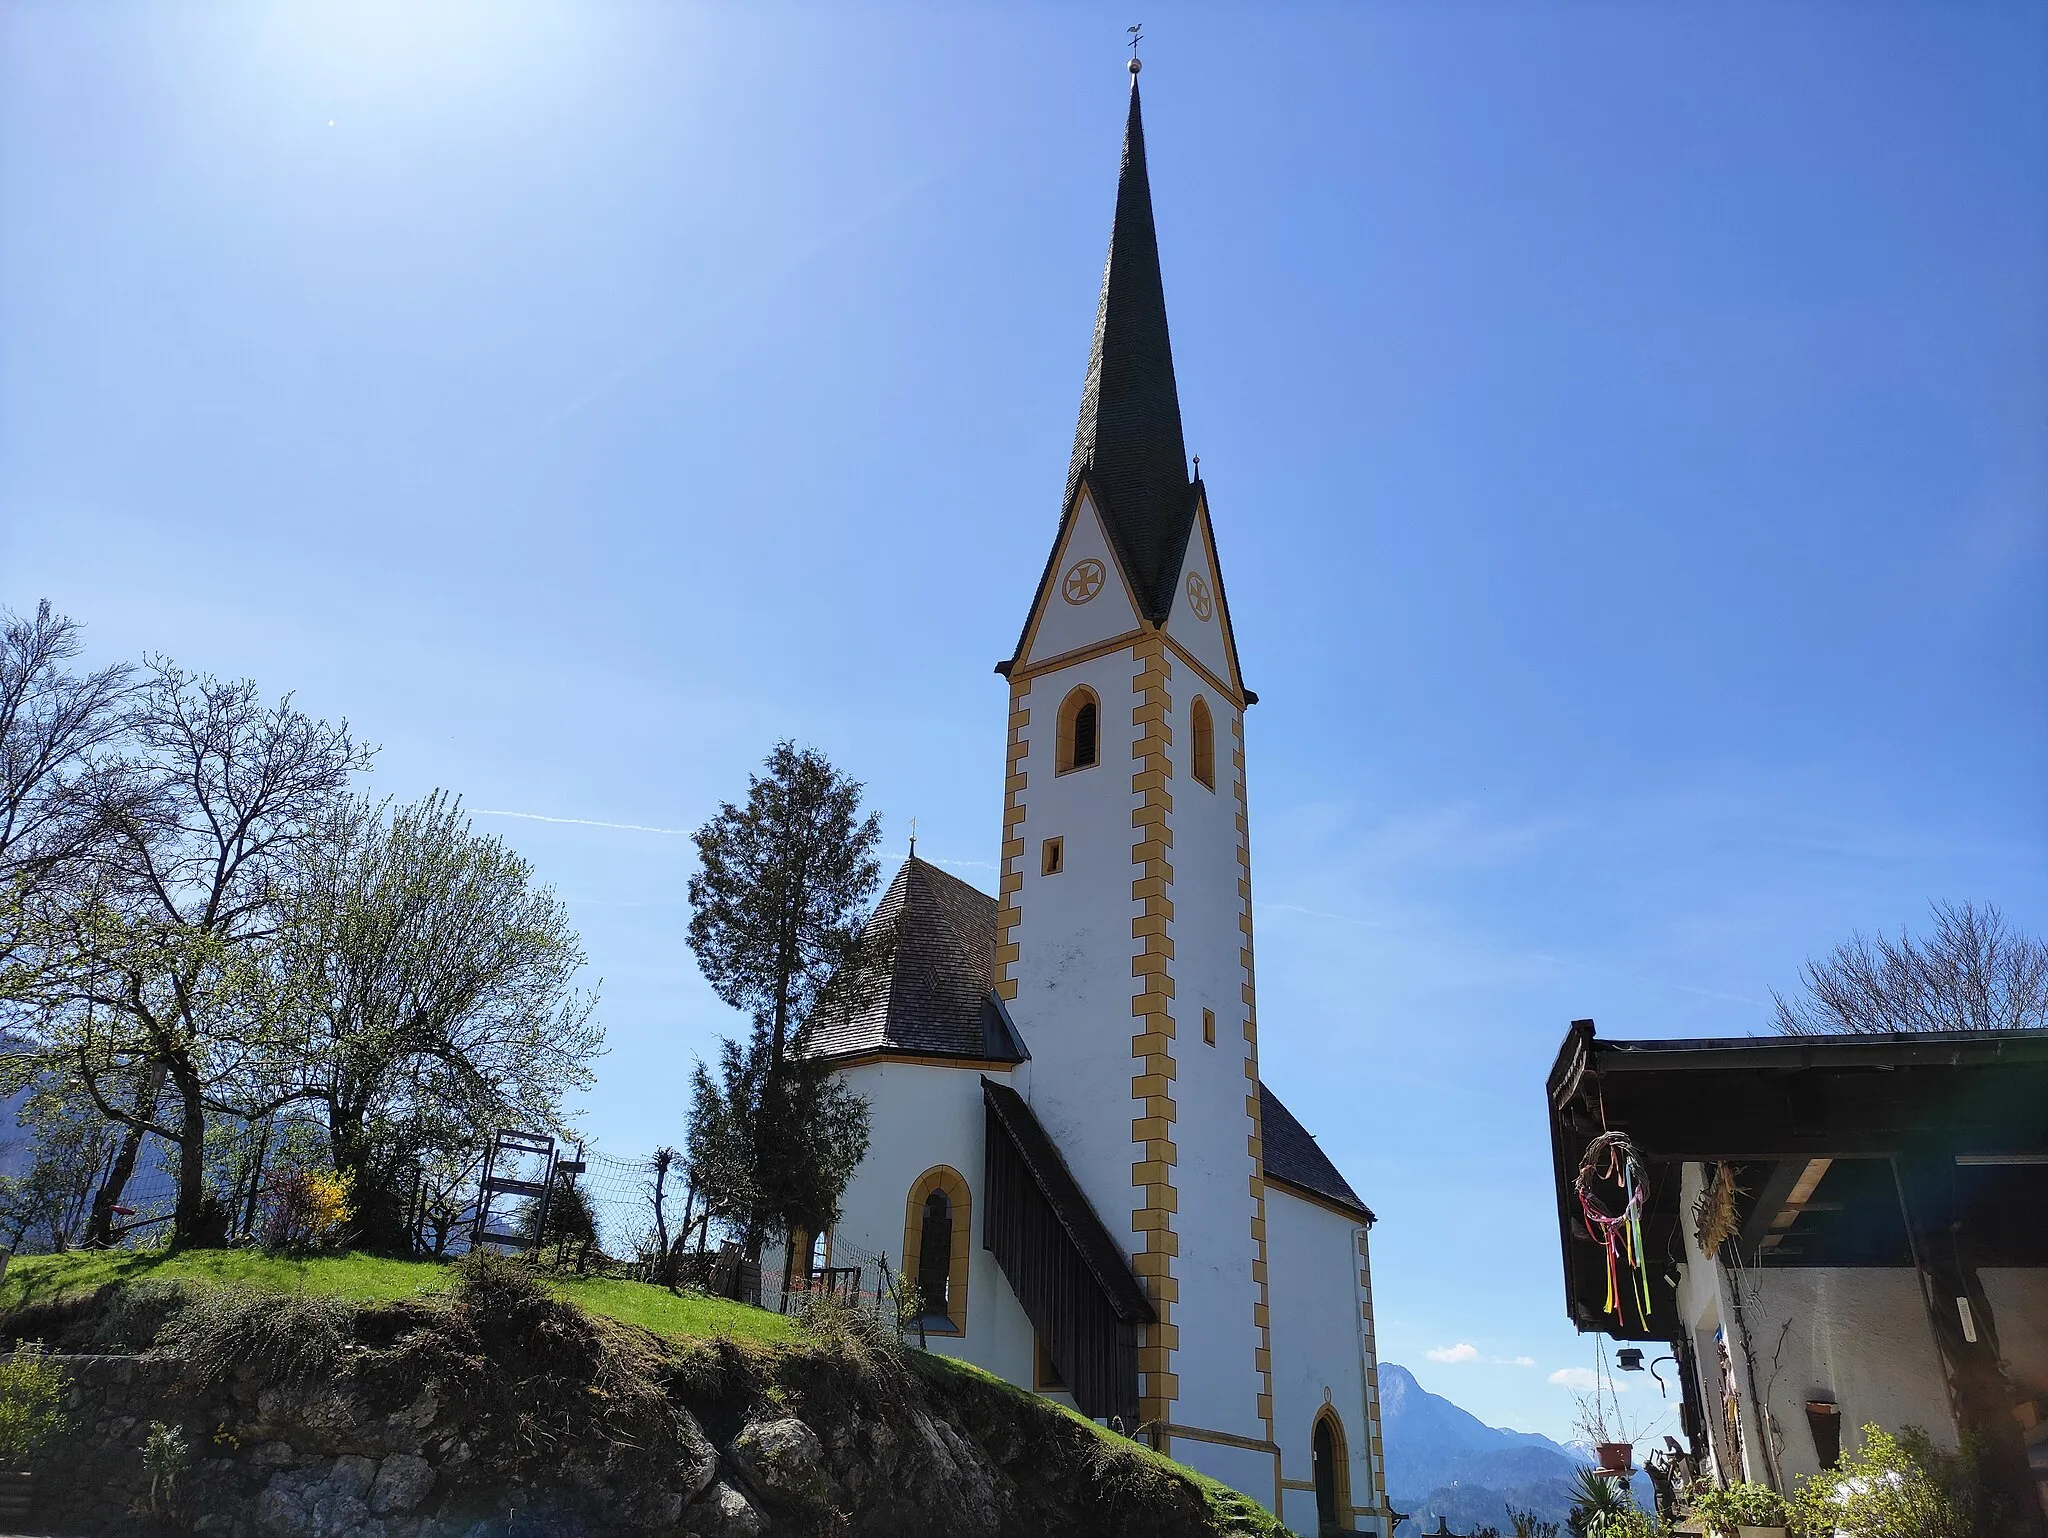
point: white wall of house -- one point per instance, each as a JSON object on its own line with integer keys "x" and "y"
{"x": 1856, "y": 1335}
{"x": 1322, "y": 1350}
{"x": 2019, "y": 1310}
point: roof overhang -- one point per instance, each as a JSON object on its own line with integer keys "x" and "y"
{"x": 1786, "y": 1111}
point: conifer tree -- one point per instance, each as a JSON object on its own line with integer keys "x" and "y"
{"x": 777, "y": 908}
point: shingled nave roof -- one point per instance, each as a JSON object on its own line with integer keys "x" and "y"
{"x": 927, "y": 991}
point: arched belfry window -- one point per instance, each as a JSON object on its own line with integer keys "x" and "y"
{"x": 1332, "y": 1470}
{"x": 937, "y": 1243}
{"x": 1202, "y": 748}
{"x": 1080, "y": 734}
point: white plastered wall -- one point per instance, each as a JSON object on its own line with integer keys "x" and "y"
{"x": 922, "y": 1115}
{"x": 1073, "y": 1006}
{"x": 1202, "y": 635}
{"x": 1065, "y": 626}
{"x": 1856, "y": 1335}
{"x": 1322, "y": 1350}
{"x": 1073, "y": 971}
{"x": 1220, "y": 1382}
{"x": 2018, "y": 1296}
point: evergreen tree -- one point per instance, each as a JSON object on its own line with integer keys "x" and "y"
{"x": 777, "y": 908}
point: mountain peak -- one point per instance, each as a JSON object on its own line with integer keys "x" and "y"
{"x": 1443, "y": 1459}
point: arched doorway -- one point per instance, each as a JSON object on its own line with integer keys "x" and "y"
{"x": 1332, "y": 1468}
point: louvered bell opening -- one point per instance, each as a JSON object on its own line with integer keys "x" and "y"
{"x": 1084, "y": 736}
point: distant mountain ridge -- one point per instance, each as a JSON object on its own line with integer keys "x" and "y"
{"x": 1445, "y": 1461}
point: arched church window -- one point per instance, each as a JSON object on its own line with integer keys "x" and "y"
{"x": 935, "y": 1252}
{"x": 1080, "y": 731}
{"x": 936, "y": 1247}
{"x": 1202, "y": 729}
{"x": 1332, "y": 1470}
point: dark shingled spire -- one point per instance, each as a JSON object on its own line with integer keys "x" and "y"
{"x": 1128, "y": 444}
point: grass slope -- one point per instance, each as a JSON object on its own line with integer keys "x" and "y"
{"x": 1234, "y": 1511}
{"x": 372, "y": 1279}
{"x": 45, "y": 1279}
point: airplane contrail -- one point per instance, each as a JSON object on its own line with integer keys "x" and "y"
{"x": 580, "y": 822}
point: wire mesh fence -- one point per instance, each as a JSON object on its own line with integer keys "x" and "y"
{"x": 584, "y": 1210}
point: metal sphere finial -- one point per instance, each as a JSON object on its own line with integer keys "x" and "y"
{"x": 1136, "y": 65}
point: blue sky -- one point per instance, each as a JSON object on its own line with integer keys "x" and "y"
{"x": 1627, "y": 429}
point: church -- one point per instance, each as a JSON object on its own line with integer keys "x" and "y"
{"x": 1072, "y": 1153}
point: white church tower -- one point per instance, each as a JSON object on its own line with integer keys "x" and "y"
{"x": 1124, "y": 936}
{"x": 1072, "y": 1152}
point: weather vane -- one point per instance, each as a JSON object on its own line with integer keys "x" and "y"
{"x": 913, "y": 838}
{"x": 1137, "y": 37}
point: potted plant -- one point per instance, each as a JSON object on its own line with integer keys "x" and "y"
{"x": 1744, "y": 1511}
{"x": 31, "y": 1412}
{"x": 1611, "y": 1434}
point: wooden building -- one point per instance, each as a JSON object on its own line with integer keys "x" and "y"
{"x": 1834, "y": 1231}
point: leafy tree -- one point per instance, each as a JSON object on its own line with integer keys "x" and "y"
{"x": 433, "y": 982}
{"x": 1972, "y": 973}
{"x": 777, "y": 906}
{"x": 151, "y": 1005}
{"x": 73, "y": 1145}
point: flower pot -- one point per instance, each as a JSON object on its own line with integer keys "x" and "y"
{"x": 1614, "y": 1456}
{"x": 17, "y": 1493}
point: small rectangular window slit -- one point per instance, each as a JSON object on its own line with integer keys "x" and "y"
{"x": 1052, "y": 858}
{"x": 1209, "y": 1026}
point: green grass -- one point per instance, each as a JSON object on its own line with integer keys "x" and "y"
{"x": 679, "y": 1316}
{"x": 371, "y": 1278}
{"x": 1236, "y": 1511}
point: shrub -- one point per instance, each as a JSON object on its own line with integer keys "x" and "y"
{"x": 1741, "y": 1505}
{"x": 289, "y": 1337}
{"x": 306, "y": 1210}
{"x": 31, "y": 1404}
{"x": 166, "y": 1454}
{"x": 1631, "y": 1521}
{"x": 1883, "y": 1490}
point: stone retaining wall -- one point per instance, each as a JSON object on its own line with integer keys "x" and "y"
{"x": 271, "y": 1462}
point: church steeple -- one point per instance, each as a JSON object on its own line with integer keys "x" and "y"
{"x": 1128, "y": 444}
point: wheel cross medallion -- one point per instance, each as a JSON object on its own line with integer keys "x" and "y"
{"x": 1083, "y": 581}
{"x": 1198, "y": 596}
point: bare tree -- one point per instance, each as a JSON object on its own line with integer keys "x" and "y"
{"x": 1972, "y": 973}
{"x": 152, "y": 1009}
{"x": 53, "y": 724}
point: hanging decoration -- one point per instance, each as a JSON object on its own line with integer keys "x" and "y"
{"x": 1610, "y": 1186}
{"x": 1713, "y": 1215}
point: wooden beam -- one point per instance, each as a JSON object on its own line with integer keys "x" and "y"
{"x": 1784, "y": 1175}
{"x": 1796, "y": 1202}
